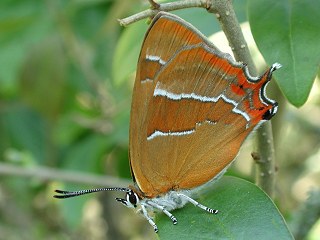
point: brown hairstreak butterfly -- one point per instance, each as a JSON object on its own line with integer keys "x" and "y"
{"x": 192, "y": 108}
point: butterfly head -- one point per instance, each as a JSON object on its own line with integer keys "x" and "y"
{"x": 131, "y": 200}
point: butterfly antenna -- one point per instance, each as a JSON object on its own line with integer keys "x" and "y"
{"x": 68, "y": 194}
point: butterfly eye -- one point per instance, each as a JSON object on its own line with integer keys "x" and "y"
{"x": 132, "y": 198}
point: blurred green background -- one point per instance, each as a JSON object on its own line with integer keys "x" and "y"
{"x": 66, "y": 76}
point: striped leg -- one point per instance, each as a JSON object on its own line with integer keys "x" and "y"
{"x": 146, "y": 215}
{"x": 166, "y": 212}
{"x": 197, "y": 204}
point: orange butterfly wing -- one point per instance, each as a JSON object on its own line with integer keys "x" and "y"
{"x": 192, "y": 108}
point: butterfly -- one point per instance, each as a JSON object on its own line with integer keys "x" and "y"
{"x": 192, "y": 108}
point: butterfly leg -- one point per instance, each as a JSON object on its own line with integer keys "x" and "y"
{"x": 166, "y": 212}
{"x": 197, "y": 204}
{"x": 146, "y": 215}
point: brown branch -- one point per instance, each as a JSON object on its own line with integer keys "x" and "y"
{"x": 226, "y": 16}
{"x": 46, "y": 174}
{"x": 265, "y": 174}
{"x": 167, "y": 7}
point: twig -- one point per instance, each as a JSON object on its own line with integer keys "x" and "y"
{"x": 45, "y": 174}
{"x": 265, "y": 174}
{"x": 153, "y": 4}
{"x": 228, "y": 21}
{"x": 167, "y": 7}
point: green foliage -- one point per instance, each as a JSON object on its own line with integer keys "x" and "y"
{"x": 66, "y": 74}
{"x": 58, "y": 107}
{"x": 291, "y": 30}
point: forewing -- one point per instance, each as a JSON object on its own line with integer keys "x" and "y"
{"x": 165, "y": 36}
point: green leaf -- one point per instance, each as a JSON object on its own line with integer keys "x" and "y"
{"x": 288, "y": 32}
{"x": 245, "y": 212}
{"x": 86, "y": 154}
{"x": 22, "y": 25}
{"x": 24, "y": 130}
{"x": 127, "y": 52}
{"x": 43, "y": 77}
